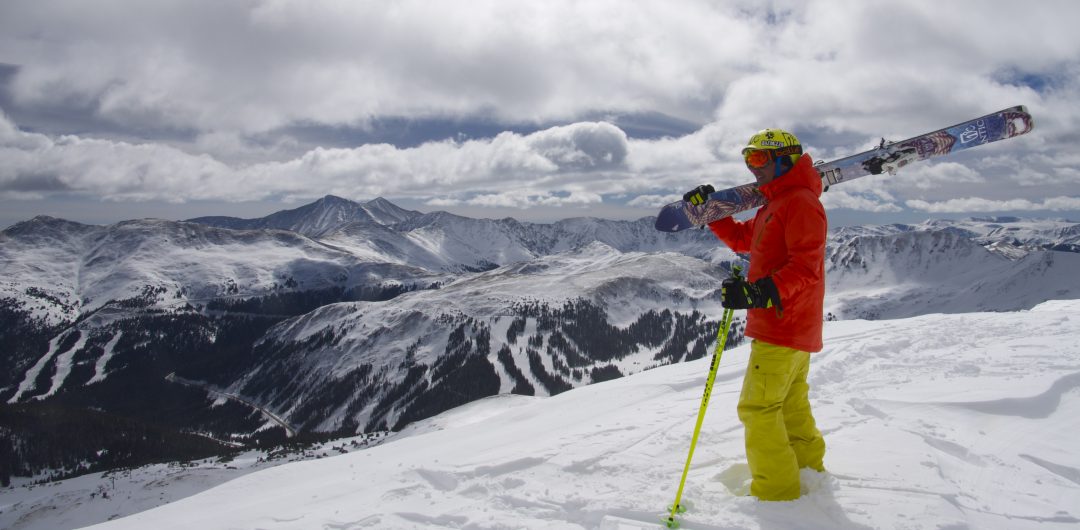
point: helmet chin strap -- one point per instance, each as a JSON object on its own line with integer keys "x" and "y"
{"x": 783, "y": 165}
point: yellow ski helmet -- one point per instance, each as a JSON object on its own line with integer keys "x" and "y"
{"x": 777, "y": 143}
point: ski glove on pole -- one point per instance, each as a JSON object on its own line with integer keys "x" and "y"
{"x": 737, "y": 293}
{"x": 699, "y": 194}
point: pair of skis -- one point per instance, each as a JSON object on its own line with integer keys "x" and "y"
{"x": 886, "y": 158}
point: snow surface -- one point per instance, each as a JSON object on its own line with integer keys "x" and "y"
{"x": 939, "y": 421}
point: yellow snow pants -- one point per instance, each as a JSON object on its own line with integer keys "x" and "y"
{"x": 781, "y": 435}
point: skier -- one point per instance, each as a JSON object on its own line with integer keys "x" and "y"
{"x": 783, "y": 292}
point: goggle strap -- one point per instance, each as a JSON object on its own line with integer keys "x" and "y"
{"x": 789, "y": 150}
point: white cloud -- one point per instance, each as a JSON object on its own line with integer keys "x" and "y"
{"x": 581, "y": 146}
{"x": 975, "y": 204}
{"x": 863, "y": 202}
{"x": 186, "y": 99}
{"x": 653, "y": 201}
{"x": 509, "y": 164}
{"x": 521, "y": 200}
{"x": 21, "y": 195}
{"x": 931, "y": 175}
{"x": 214, "y": 66}
{"x": 254, "y": 67}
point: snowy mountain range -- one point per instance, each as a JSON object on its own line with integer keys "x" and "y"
{"x": 346, "y": 317}
{"x": 950, "y": 267}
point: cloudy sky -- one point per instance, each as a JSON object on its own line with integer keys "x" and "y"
{"x": 119, "y": 109}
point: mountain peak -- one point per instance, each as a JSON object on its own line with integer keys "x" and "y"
{"x": 320, "y": 217}
{"x": 334, "y": 199}
{"x": 45, "y": 223}
{"x": 387, "y": 213}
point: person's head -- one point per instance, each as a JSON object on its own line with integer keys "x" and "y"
{"x": 771, "y": 153}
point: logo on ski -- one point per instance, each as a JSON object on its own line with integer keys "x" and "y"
{"x": 975, "y": 131}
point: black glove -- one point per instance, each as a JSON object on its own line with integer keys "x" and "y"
{"x": 737, "y": 293}
{"x": 699, "y": 194}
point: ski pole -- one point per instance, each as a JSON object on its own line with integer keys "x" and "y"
{"x": 721, "y": 341}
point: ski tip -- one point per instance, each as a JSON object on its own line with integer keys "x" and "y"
{"x": 672, "y": 218}
{"x": 1018, "y": 121}
{"x": 665, "y": 227}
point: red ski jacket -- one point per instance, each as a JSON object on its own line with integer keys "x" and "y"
{"x": 786, "y": 240}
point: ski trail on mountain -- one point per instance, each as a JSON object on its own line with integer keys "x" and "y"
{"x": 30, "y": 379}
{"x": 103, "y": 362}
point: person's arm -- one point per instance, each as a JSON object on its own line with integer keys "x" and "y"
{"x": 735, "y": 234}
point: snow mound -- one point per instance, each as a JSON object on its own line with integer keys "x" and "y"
{"x": 1058, "y": 306}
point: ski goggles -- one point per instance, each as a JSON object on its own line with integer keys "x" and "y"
{"x": 759, "y": 158}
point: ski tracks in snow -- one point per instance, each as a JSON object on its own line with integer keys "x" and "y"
{"x": 932, "y": 392}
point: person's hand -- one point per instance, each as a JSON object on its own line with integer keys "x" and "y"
{"x": 699, "y": 194}
{"x": 737, "y": 293}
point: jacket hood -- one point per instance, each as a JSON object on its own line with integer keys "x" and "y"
{"x": 802, "y": 175}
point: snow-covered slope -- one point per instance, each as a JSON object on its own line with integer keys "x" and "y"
{"x": 443, "y": 241}
{"x": 926, "y": 428}
{"x": 405, "y": 349}
{"x": 911, "y": 272}
{"x": 63, "y": 270}
{"x": 1012, "y": 237}
{"x": 439, "y": 241}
